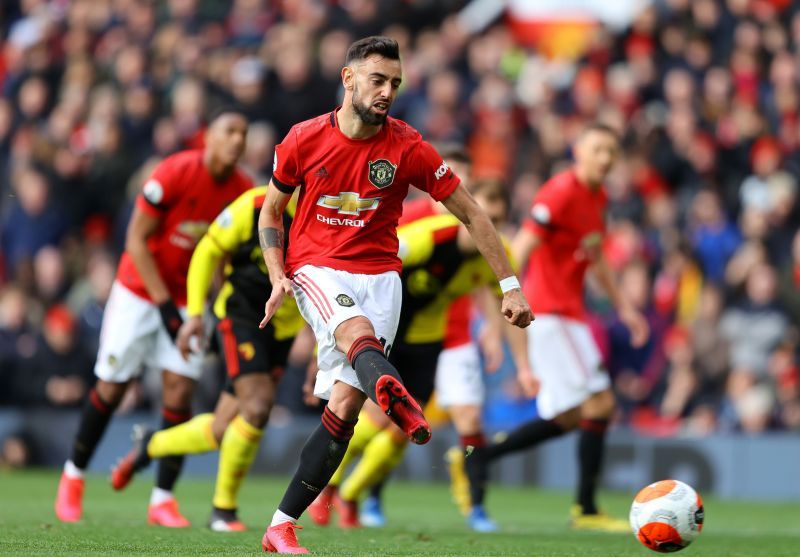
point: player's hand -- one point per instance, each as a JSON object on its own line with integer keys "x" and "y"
{"x": 515, "y": 308}
{"x": 528, "y": 381}
{"x": 637, "y": 325}
{"x": 193, "y": 328}
{"x": 279, "y": 290}
{"x": 491, "y": 344}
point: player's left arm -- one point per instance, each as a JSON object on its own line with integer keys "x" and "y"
{"x": 628, "y": 314}
{"x": 515, "y": 307}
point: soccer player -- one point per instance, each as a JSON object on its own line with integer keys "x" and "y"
{"x": 146, "y": 307}
{"x": 441, "y": 264}
{"x": 561, "y": 240}
{"x": 254, "y": 358}
{"x": 354, "y": 167}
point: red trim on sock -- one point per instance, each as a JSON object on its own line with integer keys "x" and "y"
{"x": 361, "y": 344}
{"x": 336, "y": 426}
{"x": 98, "y": 403}
{"x": 597, "y": 426}
{"x": 477, "y": 440}
{"x": 176, "y": 416}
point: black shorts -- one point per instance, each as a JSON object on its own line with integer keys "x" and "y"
{"x": 248, "y": 349}
{"x": 417, "y": 366}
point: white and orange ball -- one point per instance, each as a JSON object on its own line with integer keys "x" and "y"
{"x": 667, "y": 516}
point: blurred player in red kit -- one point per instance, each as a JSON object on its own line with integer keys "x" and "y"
{"x": 147, "y": 303}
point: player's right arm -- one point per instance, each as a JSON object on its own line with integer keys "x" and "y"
{"x": 271, "y": 237}
{"x": 143, "y": 225}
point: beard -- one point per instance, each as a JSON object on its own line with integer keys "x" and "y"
{"x": 365, "y": 113}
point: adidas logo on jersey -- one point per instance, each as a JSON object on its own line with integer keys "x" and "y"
{"x": 322, "y": 172}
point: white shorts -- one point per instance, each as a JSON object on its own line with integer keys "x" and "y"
{"x": 459, "y": 378}
{"x": 133, "y": 338}
{"x": 565, "y": 359}
{"x": 328, "y": 297}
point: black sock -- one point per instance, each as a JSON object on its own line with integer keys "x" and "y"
{"x": 319, "y": 459}
{"x": 94, "y": 420}
{"x": 476, "y": 465}
{"x": 377, "y": 489}
{"x": 169, "y": 468}
{"x": 367, "y": 358}
{"x": 591, "y": 445}
{"x": 527, "y": 435}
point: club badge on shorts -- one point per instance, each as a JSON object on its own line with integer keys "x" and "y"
{"x": 381, "y": 173}
{"x": 345, "y": 301}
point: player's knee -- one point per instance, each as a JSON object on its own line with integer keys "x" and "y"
{"x": 569, "y": 420}
{"x": 348, "y": 331}
{"x": 255, "y": 411}
{"x": 110, "y": 393}
{"x": 178, "y": 394}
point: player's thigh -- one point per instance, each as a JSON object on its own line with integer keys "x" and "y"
{"x": 459, "y": 377}
{"x": 316, "y": 290}
{"x": 566, "y": 362}
{"x": 381, "y": 298}
{"x": 599, "y": 406}
{"x": 166, "y": 356}
{"x": 416, "y": 364}
{"x": 374, "y": 414}
{"x": 128, "y": 335}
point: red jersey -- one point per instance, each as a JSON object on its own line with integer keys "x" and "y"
{"x": 460, "y": 311}
{"x": 567, "y": 216}
{"x": 352, "y": 191}
{"x": 184, "y": 196}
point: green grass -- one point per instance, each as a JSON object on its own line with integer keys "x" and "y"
{"x": 422, "y": 522}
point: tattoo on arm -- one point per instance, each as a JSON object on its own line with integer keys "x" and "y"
{"x": 270, "y": 238}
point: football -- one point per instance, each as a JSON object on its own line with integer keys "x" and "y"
{"x": 667, "y": 516}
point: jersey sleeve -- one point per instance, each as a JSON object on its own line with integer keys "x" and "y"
{"x": 160, "y": 190}
{"x": 415, "y": 244}
{"x": 547, "y": 211}
{"x": 286, "y": 173}
{"x": 431, "y": 173}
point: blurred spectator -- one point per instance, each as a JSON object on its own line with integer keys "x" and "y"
{"x": 60, "y": 371}
{"x": 753, "y": 328}
{"x": 32, "y": 222}
{"x": 16, "y": 339}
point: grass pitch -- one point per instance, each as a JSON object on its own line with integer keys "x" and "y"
{"x": 422, "y": 522}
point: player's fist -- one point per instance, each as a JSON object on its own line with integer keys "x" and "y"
{"x": 280, "y": 288}
{"x": 192, "y": 328}
{"x": 515, "y": 308}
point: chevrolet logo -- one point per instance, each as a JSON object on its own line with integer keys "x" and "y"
{"x": 349, "y": 203}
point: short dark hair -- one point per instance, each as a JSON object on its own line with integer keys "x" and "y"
{"x": 362, "y": 48}
{"x": 601, "y": 127}
{"x": 222, "y": 109}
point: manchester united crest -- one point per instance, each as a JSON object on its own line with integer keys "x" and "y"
{"x": 381, "y": 173}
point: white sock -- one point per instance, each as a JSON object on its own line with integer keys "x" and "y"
{"x": 281, "y": 517}
{"x": 71, "y": 470}
{"x": 160, "y": 496}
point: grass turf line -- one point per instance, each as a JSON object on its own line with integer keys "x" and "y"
{"x": 422, "y": 521}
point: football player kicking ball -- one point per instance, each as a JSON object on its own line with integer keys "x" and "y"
{"x": 561, "y": 240}
{"x": 440, "y": 265}
{"x": 354, "y": 167}
{"x": 146, "y": 307}
{"x": 254, "y": 359}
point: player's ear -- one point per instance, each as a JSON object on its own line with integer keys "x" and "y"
{"x": 348, "y": 77}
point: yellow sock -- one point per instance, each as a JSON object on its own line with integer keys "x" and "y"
{"x": 381, "y": 456}
{"x": 364, "y": 432}
{"x": 237, "y": 452}
{"x": 194, "y": 436}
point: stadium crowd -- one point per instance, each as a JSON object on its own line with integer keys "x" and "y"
{"x": 704, "y": 213}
